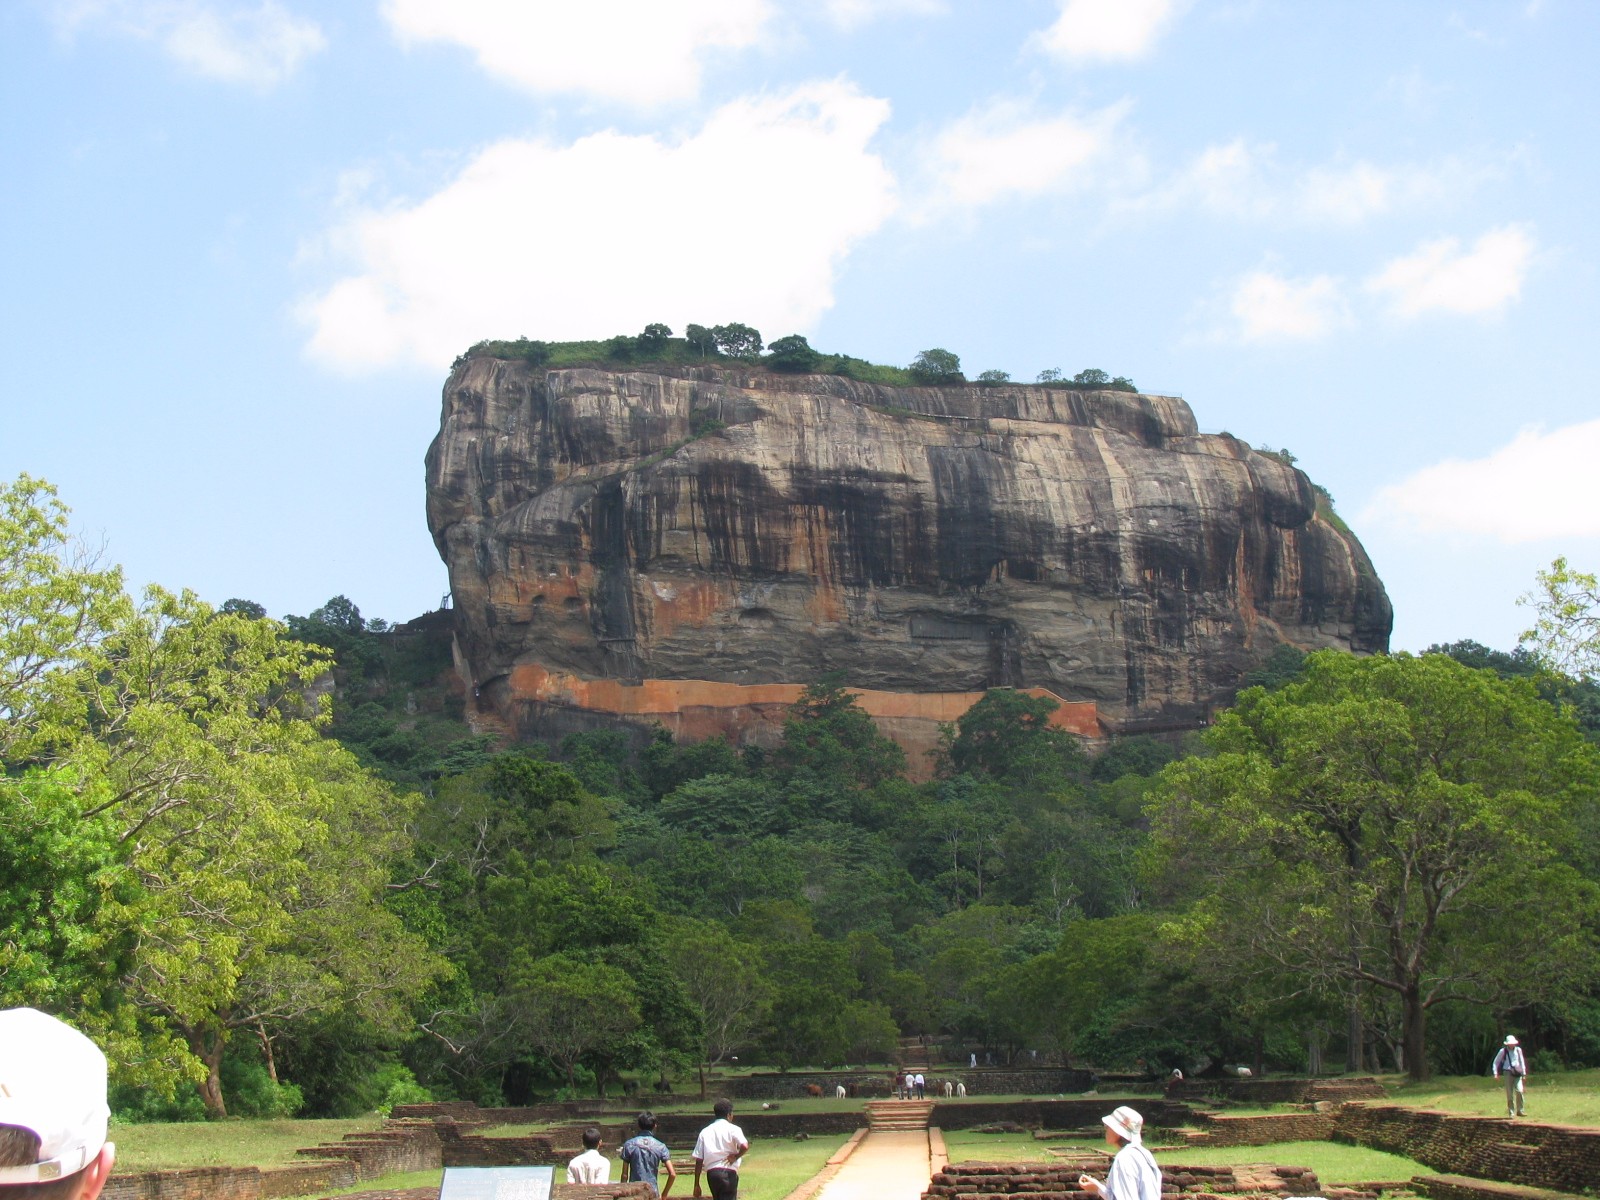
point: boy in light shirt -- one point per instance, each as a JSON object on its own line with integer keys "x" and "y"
{"x": 591, "y": 1166}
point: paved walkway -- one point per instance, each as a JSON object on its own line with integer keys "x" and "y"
{"x": 886, "y": 1165}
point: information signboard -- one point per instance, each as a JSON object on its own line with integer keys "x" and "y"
{"x": 497, "y": 1183}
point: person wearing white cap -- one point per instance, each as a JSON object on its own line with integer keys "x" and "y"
{"x": 1134, "y": 1174}
{"x": 1511, "y": 1063}
{"x": 53, "y": 1112}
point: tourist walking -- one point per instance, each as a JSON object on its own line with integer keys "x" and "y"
{"x": 1134, "y": 1174}
{"x": 921, "y": 1086}
{"x": 719, "y": 1151}
{"x": 643, "y": 1155}
{"x": 1513, "y": 1066}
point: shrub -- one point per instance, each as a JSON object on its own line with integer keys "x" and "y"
{"x": 994, "y": 377}
{"x": 793, "y": 354}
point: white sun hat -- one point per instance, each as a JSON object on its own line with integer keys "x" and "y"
{"x": 1511, "y": 1040}
{"x": 1125, "y": 1123}
{"x": 52, "y": 1082}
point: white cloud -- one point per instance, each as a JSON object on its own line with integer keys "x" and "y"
{"x": 852, "y": 14}
{"x": 1245, "y": 181}
{"x": 1107, "y": 29}
{"x": 746, "y": 220}
{"x": 1539, "y": 486}
{"x": 259, "y": 45}
{"x": 1263, "y": 306}
{"x": 1003, "y": 149}
{"x": 636, "y": 52}
{"x": 1440, "y": 276}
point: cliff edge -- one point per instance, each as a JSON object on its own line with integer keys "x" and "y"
{"x": 694, "y": 544}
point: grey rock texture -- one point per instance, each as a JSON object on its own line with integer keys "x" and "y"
{"x": 753, "y": 528}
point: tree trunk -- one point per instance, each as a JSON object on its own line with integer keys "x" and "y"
{"x": 266, "y": 1049}
{"x": 208, "y": 1046}
{"x": 702, "y": 1081}
{"x": 1355, "y": 1035}
{"x": 1415, "y": 1038}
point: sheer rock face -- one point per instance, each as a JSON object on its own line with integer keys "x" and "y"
{"x": 741, "y": 527}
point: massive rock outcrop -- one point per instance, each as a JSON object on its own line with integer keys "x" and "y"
{"x": 691, "y": 545}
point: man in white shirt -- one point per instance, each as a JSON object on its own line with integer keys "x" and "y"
{"x": 591, "y": 1166}
{"x": 53, "y": 1112}
{"x": 1513, "y": 1065}
{"x": 719, "y": 1151}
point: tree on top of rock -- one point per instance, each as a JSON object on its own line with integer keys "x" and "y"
{"x": 793, "y": 354}
{"x": 937, "y": 366}
{"x": 737, "y": 341}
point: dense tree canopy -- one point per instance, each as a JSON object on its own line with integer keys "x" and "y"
{"x": 1399, "y": 823}
{"x": 272, "y": 860}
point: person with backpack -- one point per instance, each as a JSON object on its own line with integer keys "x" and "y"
{"x": 1511, "y": 1064}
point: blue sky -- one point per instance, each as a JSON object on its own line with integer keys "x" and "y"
{"x": 241, "y": 241}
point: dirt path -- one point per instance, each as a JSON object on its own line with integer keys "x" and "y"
{"x": 886, "y": 1165}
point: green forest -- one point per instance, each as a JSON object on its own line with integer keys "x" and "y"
{"x": 269, "y": 866}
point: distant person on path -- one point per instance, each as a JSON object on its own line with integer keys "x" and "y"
{"x": 911, "y": 1086}
{"x": 921, "y": 1086}
{"x": 719, "y": 1151}
{"x": 591, "y": 1166}
{"x": 53, "y": 1113}
{"x": 643, "y": 1156}
{"x": 1511, "y": 1064}
{"x": 974, "y": 1060}
{"x": 1134, "y": 1174}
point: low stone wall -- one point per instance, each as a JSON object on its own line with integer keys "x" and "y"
{"x": 1051, "y": 1114}
{"x": 1050, "y": 1181}
{"x": 1262, "y": 1130}
{"x": 195, "y": 1183}
{"x": 306, "y": 1178}
{"x": 1277, "y": 1091}
{"x": 1544, "y": 1156}
{"x": 984, "y": 1081}
{"x": 600, "y": 1191}
{"x": 398, "y": 1146}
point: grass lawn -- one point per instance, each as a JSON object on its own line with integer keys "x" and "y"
{"x": 163, "y": 1146}
{"x": 1560, "y": 1097}
{"x": 1333, "y": 1163}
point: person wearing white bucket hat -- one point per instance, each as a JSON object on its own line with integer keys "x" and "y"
{"x": 53, "y": 1113}
{"x": 1134, "y": 1174}
{"x": 1512, "y": 1064}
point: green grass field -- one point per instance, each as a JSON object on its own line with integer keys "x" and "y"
{"x": 1333, "y": 1163}
{"x": 1559, "y": 1097}
{"x": 164, "y": 1146}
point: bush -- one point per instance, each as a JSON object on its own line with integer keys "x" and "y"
{"x": 793, "y": 354}
{"x": 399, "y": 1086}
{"x": 250, "y": 1092}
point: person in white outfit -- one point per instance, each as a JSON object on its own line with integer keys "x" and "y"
{"x": 591, "y": 1166}
{"x": 1134, "y": 1174}
{"x": 1513, "y": 1065}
